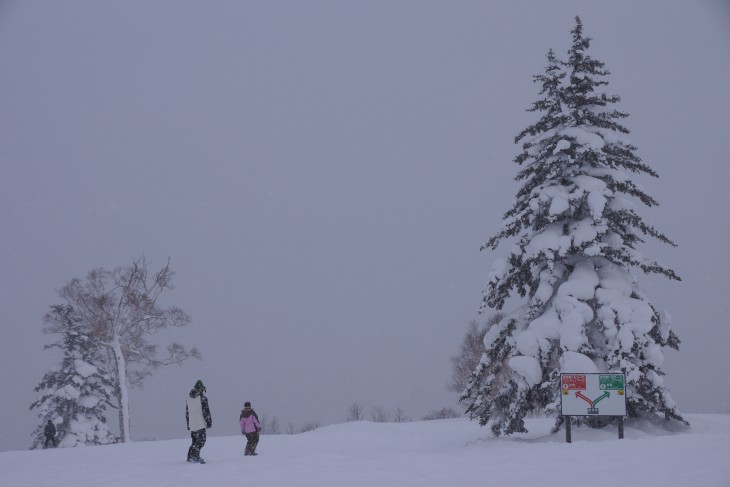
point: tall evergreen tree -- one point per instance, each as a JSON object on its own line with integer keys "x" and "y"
{"x": 575, "y": 259}
{"x": 75, "y": 396}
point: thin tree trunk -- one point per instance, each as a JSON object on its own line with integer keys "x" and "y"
{"x": 122, "y": 393}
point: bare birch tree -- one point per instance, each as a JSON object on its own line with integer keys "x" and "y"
{"x": 354, "y": 412}
{"x": 470, "y": 353}
{"x": 378, "y": 414}
{"x": 399, "y": 416}
{"x": 119, "y": 310}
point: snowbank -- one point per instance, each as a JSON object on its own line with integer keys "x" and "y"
{"x": 423, "y": 454}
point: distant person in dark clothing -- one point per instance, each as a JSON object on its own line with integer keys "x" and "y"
{"x": 250, "y": 427}
{"x": 197, "y": 417}
{"x": 50, "y": 432}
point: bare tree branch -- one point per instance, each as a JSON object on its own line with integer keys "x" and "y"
{"x": 119, "y": 309}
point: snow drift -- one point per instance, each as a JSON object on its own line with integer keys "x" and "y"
{"x": 423, "y": 454}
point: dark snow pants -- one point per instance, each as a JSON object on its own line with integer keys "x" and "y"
{"x": 198, "y": 443}
{"x": 252, "y": 440}
{"x": 51, "y": 440}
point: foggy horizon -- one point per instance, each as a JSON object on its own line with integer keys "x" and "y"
{"x": 321, "y": 176}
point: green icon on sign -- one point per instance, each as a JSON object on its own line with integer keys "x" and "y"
{"x": 611, "y": 382}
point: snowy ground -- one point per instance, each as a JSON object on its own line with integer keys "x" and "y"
{"x": 432, "y": 453}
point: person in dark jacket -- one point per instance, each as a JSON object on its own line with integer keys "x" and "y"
{"x": 197, "y": 417}
{"x": 50, "y": 432}
{"x": 250, "y": 426}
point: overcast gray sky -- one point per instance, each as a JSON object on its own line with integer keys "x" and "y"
{"x": 322, "y": 175}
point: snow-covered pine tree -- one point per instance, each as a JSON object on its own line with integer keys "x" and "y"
{"x": 75, "y": 396}
{"x": 492, "y": 393}
{"x": 574, "y": 261}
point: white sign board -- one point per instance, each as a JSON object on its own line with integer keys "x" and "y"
{"x": 593, "y": 394}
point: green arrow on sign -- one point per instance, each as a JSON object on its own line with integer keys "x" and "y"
{"x": 600, "y": 398}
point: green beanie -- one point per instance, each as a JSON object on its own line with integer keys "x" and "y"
{"x": 199, "y": 385}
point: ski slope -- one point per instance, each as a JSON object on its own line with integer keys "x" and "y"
{"x": 454, "y": 452}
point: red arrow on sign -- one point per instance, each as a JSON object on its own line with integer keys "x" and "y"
{"x": 578, "y": 394}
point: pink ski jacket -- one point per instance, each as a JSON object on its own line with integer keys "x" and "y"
{"x": 249, "y": 424}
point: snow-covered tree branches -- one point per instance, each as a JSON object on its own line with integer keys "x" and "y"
{"x": 576, "y": 233}
{"x": 75, "y": 396}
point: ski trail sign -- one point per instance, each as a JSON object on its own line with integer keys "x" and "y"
{"x": 593, "y": 394}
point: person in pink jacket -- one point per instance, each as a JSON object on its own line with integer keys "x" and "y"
{"x": 250, "y": 427}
